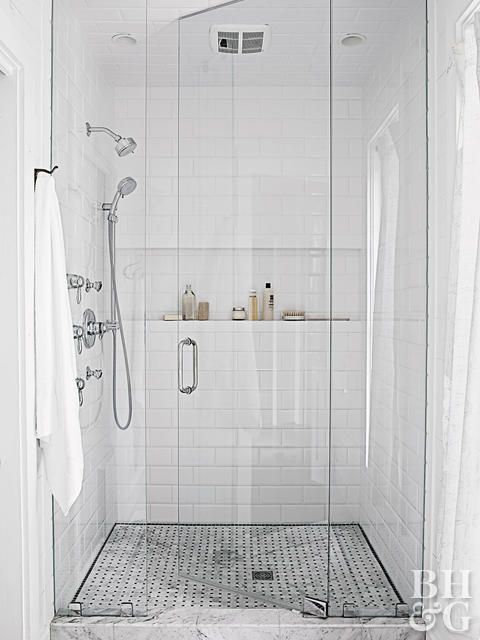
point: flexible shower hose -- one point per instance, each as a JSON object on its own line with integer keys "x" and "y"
{"x": 113, "y": 277}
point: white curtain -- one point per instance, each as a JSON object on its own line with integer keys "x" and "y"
{"x": 458, "y": 535}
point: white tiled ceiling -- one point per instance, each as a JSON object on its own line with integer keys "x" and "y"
{"x": 299, "y": 52}
{"x": 100, "y": 19}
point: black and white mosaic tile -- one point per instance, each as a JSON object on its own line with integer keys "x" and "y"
{"x": 146, "y": 569}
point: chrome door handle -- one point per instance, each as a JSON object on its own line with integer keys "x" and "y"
{"x": 187, "y": 342}
{"x": 195, "y": 365}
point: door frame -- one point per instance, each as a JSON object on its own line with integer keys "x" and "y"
{"x": 26, "y": 581}
{"x": 12, "y": 349}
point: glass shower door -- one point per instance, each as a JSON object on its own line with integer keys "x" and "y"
{"x": 254, "y": 188}
{"x": 379, "y": 293}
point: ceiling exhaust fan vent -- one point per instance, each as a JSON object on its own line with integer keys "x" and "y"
{"x": 240, "y": 39}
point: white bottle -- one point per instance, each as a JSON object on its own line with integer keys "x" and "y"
{"x": 268, "y": 302}
{"x": 189, "y": 304}
{"x": 271, "y": 307}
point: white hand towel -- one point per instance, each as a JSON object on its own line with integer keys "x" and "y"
{"x": 58, "y": 422}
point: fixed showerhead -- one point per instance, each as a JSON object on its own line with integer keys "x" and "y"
{"x": 125, "y": 187}
{"x": 123, "y": 147}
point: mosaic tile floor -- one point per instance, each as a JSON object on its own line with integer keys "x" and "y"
{"x": 235, "y": 566}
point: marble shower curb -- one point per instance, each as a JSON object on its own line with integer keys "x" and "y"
{"x": 228, "y": 624}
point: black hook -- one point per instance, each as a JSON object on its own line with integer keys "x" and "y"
{"x": 49, "y": 171}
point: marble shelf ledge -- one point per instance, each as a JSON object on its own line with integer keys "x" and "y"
{"x": 232, "y": 624}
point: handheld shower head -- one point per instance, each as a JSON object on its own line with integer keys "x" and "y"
{"x": 125, "y": 187}
{"x": 123, "y": 147}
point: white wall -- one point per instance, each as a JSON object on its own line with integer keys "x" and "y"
{"x": 392, "y": 493}
{"x": 25, "y": 537}
{"x": 254, "y": 439}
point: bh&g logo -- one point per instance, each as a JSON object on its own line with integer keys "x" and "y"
{"x": 447, "y": 595}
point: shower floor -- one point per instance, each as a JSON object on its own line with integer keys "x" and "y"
{"x": 138, "y": 565}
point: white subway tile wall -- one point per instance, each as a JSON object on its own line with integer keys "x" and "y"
{"x": 254, "y": 436}
{"x": 254, "y": 208}
{"x": 393, "y": 483}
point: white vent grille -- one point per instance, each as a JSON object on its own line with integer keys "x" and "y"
{"x": 239, "y": 39}
{"x": 228, "y": 41}
{"x": 252, "y": 42}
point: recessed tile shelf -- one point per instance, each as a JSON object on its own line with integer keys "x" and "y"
{"x": 251, "y": 322}
{"x": 132, "y": 242}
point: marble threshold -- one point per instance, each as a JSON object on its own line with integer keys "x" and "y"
{"x": 232, "y": 624}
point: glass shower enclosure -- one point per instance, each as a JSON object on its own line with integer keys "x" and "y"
{"x": 277, "y": 459}
{"x": 254, "y": 210}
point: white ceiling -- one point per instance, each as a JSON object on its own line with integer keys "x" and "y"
{"x": 298, "y": 55}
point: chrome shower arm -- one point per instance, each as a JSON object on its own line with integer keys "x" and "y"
{"x": 123, "y": 147}
{"x": 106, "y": 130}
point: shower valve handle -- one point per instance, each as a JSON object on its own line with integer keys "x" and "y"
{"x": 93, "y": 373}
{"x": 95, "y": 328}
{"x": 78, "y": 335}
{"x": 100, "y": 328}
{"x": 97, "y": 285}
{"x": 74, "y": 281}
{"x": 80, "y": 382}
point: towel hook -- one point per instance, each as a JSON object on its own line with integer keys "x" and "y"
{"x": 49, "y": 171}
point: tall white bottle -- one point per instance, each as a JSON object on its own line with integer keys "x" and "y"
{"x": 267, "y": 300}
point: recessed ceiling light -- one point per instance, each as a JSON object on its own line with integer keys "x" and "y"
{"x": 353, "y": 39}
{"x": 124, "y": 39}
